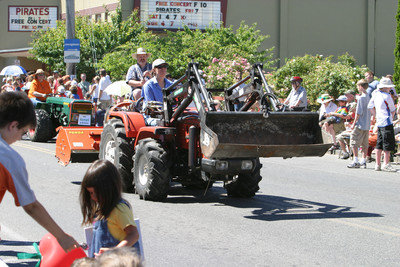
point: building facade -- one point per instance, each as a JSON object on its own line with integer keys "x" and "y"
{"x": 363, "y": 28}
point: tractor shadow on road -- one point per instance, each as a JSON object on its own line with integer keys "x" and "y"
{"x": 180, "y": 194}
{"x": 267, "y": 207}
{"x": 277, "y": 208}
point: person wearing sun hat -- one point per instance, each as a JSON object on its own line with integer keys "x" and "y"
{"x": 383, "y": 109}
{"x": 40, "y": 87}
{"x": 140, "y": 72}
{"x": 152, "y": 89}
{"x": 334, "y": 123}
{"x": 327, "y": 106}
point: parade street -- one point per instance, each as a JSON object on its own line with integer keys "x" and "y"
{"x": 308, "y": 212}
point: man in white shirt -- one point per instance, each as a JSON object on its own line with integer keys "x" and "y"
{"x": 104, "y": 98}
{"x": 382, "y": 108}
{"x": 297, "y": 99}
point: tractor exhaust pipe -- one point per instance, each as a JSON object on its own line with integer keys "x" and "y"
{"x": 192, "y": 148}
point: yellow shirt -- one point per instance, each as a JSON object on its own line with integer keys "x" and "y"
{"x": 120, "y": 218}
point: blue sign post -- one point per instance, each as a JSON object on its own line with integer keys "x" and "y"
{"x": 72, "y": 50}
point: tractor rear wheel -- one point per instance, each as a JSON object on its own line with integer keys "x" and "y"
{"x": 117, "y": 148}
{"x": 44, "y": 127}
{"x": 245, "y": 185}
{"x": 151, "y": 170}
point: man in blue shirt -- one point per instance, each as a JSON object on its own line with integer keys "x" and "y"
{"x": 372, "y": 84}
{"x": 152, "y": 89}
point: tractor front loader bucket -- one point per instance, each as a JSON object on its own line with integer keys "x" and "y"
{"x": 78, "y": 144}
{"x": 250, "y": 134}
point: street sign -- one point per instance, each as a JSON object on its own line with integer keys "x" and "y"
{"x": 72, "y": 50}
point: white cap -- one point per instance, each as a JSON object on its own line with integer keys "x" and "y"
{"x": 342, "y": 98}
{"x": 159, "y": 62}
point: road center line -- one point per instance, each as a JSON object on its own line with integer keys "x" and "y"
{"x": 44, "y": 150}
{"x": 371, "y": 227}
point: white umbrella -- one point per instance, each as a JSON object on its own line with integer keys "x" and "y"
{"x": 12, "y": 70}
{"x": 119, "y": 88}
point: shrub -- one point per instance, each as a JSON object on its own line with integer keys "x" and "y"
{"x": 175, "y": 47}
{"x": 320, "y": 75}
{"x": 99, "y": 37}
{"x": 396, "y": 74}
{"x": 221, "y": 73}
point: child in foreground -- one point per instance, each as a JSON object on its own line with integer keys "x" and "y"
{"x": 102, "y": 204}
{"x": 17, "y": 116}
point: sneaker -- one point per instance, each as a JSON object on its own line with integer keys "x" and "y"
{"x": 334, "y": 147}
{"x": 354, "y": 165}
{"x": 388, "y": 168}
{"x": 363, "y": 165}
{"x": 377, "y": 167}
{"x": 345, "y": 155}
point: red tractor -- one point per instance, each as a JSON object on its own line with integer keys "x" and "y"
{"x": 198, "y": 145}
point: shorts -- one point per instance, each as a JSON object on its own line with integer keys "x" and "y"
{"x": 339, "y": 127}
{"x": 386, "y": 140}
{"x": 359, "y": 138}
{"x": 343, "y": 136}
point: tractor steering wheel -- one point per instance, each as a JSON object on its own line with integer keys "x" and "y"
{"x": 138, "y": 105}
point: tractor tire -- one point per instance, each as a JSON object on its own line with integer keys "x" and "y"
{"x": 151, "y": 170}
{"x": 245, "y": 185}
{"x": 117, "y": 148}
{"x": 44, "y": 127}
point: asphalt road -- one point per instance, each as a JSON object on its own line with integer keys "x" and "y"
{"x": 308, "y": 212}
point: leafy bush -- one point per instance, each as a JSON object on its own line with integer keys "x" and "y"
{"x": 320, "y": 75}
{"x": 396, "y": 73}
{"x": 97, "y": 40}
{"x": 222, "y": 73}
{"x": 175, "y": 47}
{"x": 110, "y": 45}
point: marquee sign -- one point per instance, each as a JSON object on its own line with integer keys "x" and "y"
{"x": 173, "y": 14}
{"x": 31, "y": 18}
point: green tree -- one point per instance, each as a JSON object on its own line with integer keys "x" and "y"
{"x": 396, "y": 74}
{"x": 101, "y": 38}
{"x": 175, "y": 47}
{"x": 320, "y": 75}
{"x": 110, "y": 45}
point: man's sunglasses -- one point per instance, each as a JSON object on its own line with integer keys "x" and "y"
{"x": 162, "y": 66}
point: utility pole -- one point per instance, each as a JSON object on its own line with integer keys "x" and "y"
{"x": 70, "y": 6}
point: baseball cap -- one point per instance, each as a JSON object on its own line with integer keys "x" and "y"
{"x": 158, "y": 62}
{"x": 342, "y": 98}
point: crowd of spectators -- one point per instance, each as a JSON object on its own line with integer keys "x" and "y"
{"x": 40, "y": 84}
{"x": 364, "y": 122}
